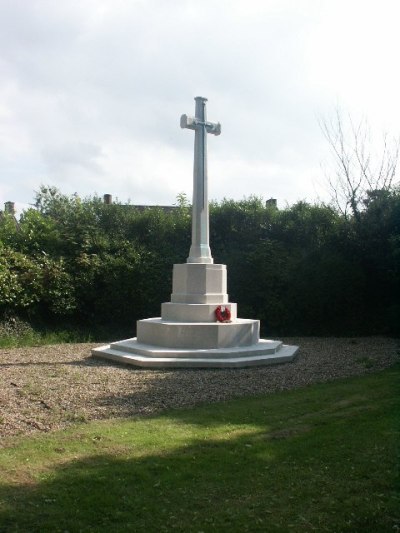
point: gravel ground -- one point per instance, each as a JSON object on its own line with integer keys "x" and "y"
{"x": 50, "y": 387}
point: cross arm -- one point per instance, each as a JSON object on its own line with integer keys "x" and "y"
{"x": 192, "y": 123}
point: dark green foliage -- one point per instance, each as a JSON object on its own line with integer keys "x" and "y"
{"x": 308, "y": 269}
{"x": 36, "y": 283}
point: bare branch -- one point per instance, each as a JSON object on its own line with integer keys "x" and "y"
{"x": 357, "y": 169}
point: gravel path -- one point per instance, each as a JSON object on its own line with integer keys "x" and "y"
{"x": 51, "y": 387}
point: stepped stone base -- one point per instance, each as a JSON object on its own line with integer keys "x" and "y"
{"x": 188, "y": 335}
{"x": 180, "y": 312}
{"x": 198, "y": 335}
{"x": 199, "y": 283}
{"x": 132, "y": 352}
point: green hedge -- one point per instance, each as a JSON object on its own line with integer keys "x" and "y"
{"x": 303, "y": 270}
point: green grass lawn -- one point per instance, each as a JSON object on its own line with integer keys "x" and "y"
{"x": 322, "y": 458}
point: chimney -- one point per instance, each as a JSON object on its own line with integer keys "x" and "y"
{"x": 107, "y": 199}
{"x": 9, "y": 207}
{"x": 272, "y": 202}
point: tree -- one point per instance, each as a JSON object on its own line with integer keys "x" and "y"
{"x": 361, "y": 165}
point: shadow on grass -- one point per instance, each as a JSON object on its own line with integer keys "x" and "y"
{"x": 231, "y": 486}
{"x": 245, "y": 469}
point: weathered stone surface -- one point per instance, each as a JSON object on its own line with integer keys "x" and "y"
{"x": 199, "y": 283}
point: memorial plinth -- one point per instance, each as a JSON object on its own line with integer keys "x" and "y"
{"x": 188, "y": 333}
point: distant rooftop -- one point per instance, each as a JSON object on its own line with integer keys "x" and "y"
{"x": 108, "y": 201}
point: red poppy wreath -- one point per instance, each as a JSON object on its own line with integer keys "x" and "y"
{"x": 223, "y": 314}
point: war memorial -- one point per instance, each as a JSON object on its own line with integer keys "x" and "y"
{"x": 199, "y": 327}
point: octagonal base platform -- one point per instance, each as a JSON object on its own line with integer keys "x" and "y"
{"x": 132, "y": 352}
{"x": 198, "y": 335}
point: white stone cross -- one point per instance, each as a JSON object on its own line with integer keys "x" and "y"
{"x": 200, "y": 249}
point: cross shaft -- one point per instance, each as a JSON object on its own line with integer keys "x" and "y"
{"x": 200, "y": 249}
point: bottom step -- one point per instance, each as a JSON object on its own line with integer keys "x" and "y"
{"x": 131, "y": 352}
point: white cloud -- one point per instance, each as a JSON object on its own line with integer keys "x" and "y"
{"x": 91, "y": 92}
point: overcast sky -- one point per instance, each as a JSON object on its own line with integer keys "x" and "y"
{"x": 91, "y": 92}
